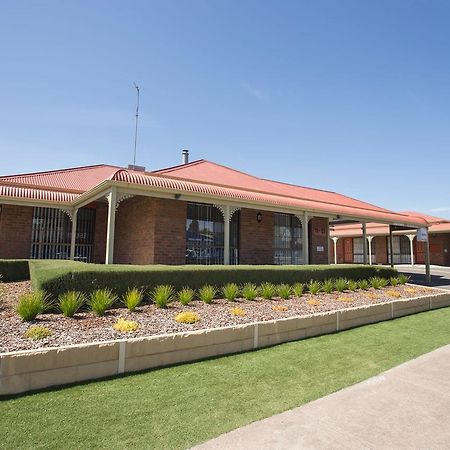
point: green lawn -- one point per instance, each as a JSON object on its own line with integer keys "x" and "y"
{"x": 179, "y": 406}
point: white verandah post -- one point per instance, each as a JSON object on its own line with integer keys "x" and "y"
{"x": 335, "y": 239}
{"x": 369, "y": 240}
{"x": 226, "y": 234}
{"x": 73, "y": 236}
{"x": 364, "y": 232}
{"x": 112, "y": 199}
{"x": 411, "y": 246}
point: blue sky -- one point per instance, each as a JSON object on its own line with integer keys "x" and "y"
{"x": 350, "y": 96}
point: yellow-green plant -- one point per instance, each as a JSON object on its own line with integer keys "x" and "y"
{"x": 314, "y": 287}
{"x": 279, "y": 308}
{"x": 31, "y": 304}
{"x": 186, "y": 295}
{"x": 100, "y": 300}
{"x": 284, "y": 291}
{"x": 298, "y": 289}
{"x": 394, "y": 281}
{"x": 125, "y": 326}
{"x": 249, "y": 291}
{"x": 187, "y": 317}
{"x": 268, "y": 291}
{"x": 352, "y": 285}
{"x": 36, "y": 332}
{"x": 70, "y": 302}
{"x": 328, "y": 286}
{"x": 132, "y": 298}
{"x": 207, "y": 293}
{"x": 162, "y": 295}
{"x": 237, "y": 312}
{"x": 313, "y": 302}
{"x": 363, "y": 284}
{"x": 230, "y": 291}
{"x": 341, "y": 284}
{"x": 403, "y": 279}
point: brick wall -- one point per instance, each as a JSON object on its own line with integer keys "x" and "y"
{"x": 380, "y": 244}
{"x": 101, "y": 224}
{"x": 150, "y": 231}
{"x": 318, "y": 238}
{"x": 15, "y": 231}
{"x": 256, "y": 239}
{"x": 438, "y": 244}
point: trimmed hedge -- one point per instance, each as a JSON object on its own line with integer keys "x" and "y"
{"x": 56, "y": 277}
{"x": 14, "y": 270}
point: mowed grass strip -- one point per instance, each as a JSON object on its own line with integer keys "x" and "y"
{"x": 180, "y": 406}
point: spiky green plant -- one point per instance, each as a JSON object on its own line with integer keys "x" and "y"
{"x": 403, "y": 279}
{"x": 352, "y": 285}
{"x": 378, "y": 282}
{"x": 284, "y": 291}
{"x": 384, "y": 282}
{"x": 249, "y": 291}
{"x": 363, "y": 284}
{"x": 70, "y": 302}
{"x": 31, "y": 304}
{"x": 298, "y": 289}
{"x": 100, "y": 300}
{"x": 341, "y": 284}
{"x": 186, "y": 295}
{"x": 230, "y": 291}
{"x": 162, "y": 295}
{"x": 328, "y": 286}
{"x": 268, "y": 291}
{"x": 207, "y": 293}
{"x": 132, "y": 298}
{"x": 314, "y": 287}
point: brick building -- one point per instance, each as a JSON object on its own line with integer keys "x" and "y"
{"x": 406, "y": 249}
{"x": 194, "y": 213}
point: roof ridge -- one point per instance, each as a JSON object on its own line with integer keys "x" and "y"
{"x": 4, "y": 177}
{"x": 170, "y": 168}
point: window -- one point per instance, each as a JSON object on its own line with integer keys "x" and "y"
{"x": 401, "y": 249}
{"x": 205, "y": 235}
{"x": 52, "y": 230}
{"x": 288, "y": 245}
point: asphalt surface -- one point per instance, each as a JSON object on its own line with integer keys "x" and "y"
{"x": 407, "y": 407}
{"x": 440, "y": 276}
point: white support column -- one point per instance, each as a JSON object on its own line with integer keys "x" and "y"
{"x": 305, "y": 231}
{"x": 335, "y": 239}
{"x": 369, "y": 240}
{"x": 73, "y": 236}
{"x": 364, "y": 233}
{"x": 226, "y": 234}
{"x": 411, "y": 246}
{"x": 112, "y": 199}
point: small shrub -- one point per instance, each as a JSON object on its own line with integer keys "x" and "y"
{"x": 284, "y": 291}
{"x": 341, "y": 284}
{"x": 376, "y": 282}
{"x": 186, "y": 295}
{"x": 249, "y": 291}
{"x": 298, "y": 289}
{"x": 38, "y": 332}
{"x": 70, "y": 302}
{"x": 237, "y": 312}
{"x": 279, "y": 308}
{"x": 314, "y": 287}
{"x": 384, "y": 282}
{"x": 345, "y": 299}
{"x": 125, "y": 326}
{"x": 31, "y": 304}
{"x": 328, "y": 286}
{"x": 352, "y": 285}
{"x": 132, "y": 298}
{"x": 162, "y": 295}
{"x": 363, "y": 284}
{"x": 394, "y": 281}
{"x": 100, "y": 300}
{"x": 188, "y": 317}
{"x": 230, "y": 291}
{"x": 268, "y": 291}
{"x": 411, "y": 290}
{"x": 403, "y": 279}
{"x": 313, "y": 302}
{"x": 207, "y": 293}
{"x": 372, "y": 296}
{"x": 394, "y": 294}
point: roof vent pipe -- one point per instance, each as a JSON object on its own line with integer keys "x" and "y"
{"x": 185, "y": 156}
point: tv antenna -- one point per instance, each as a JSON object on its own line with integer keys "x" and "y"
{"x": 137, "y": 117}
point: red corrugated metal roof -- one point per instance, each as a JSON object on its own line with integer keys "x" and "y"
{"x": 201, "y": 177}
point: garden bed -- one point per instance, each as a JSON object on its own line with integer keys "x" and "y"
{"x": 86, "y": 327}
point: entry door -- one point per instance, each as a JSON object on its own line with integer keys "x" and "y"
{"x": 348, "y": 250}
{"x": 420, "y": 252}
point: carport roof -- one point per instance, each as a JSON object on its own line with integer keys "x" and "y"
{"x": 203, "y": 178}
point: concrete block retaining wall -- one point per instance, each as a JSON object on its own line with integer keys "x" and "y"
{"x": 28, "y": 370}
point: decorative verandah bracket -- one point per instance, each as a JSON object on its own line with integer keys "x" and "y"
{"x": 335, "y": 239}
{"x": 369, "y": 240}
{"x": 411, "y": 246}
{"x": 227, "y": 212}
{"x": 121, "y": 196}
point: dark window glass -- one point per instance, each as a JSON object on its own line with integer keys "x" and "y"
{"x": 205, "y": 235}
{"x": 401, "y": 249}
{"x": 52, "y": 231}
{"x": 288, "y": 245}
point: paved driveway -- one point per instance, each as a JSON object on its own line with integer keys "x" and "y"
{"x": 440, "y": 276}
{"x": 406, "y": 407}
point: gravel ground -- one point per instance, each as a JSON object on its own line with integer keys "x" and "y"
{"x": 86, "y": 327}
